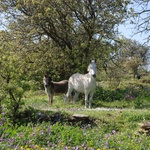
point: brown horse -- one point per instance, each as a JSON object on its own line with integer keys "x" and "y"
{"x": 54, "y": 88}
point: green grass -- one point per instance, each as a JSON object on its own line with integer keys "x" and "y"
{"x": 109, "y": 129}
{"x": 39, "y": 100}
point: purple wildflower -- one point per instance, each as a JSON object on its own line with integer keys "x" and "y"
{"x": 107, "y": 145}
{"x": 139, "y": 140}
{"x": 107, "y": 136}
{"x": 66, "y": 148}
{"x": 32, "y": 146}
{"x": 3, "y": 113}
{"x": 3, "y": 119}
{"x": 49, "y": 129}
{"x": 85, "y": 148}
{"x": 77, "y": 148}
{"x": 70, "y": 139}
{"x": 42, "y": 131}
{"x": 114, "y": 131}
{"x": 1, "y": 123}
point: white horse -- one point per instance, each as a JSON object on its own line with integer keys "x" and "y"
{"x": 54, "y": 88}
{"x": 83, "y": 83}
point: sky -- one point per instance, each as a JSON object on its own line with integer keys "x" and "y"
{"x": 128, "y": 31}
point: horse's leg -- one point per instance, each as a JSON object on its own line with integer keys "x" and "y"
{"x": 90, "y": 99}
{"x": 86, "y": 98}
{"x": 50, "y": 96}
{"x": 75, "y": 96}
{"x": 70, "y": 89}
{"x": 48, "y": 92}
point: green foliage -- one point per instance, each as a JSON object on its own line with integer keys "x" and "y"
{"x": 108, "y": 95}
{"x": 113, "y": 130}
{"x": 138, "y": 102}
{"x": 12, "y": 77}
{"x": 129, "y": 93}
{"x": 59, "y": 38}
{"x": 131, "y": 96}
{"x": 130, "y": 57}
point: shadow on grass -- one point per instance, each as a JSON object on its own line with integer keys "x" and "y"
{"x": 36, "y": 116}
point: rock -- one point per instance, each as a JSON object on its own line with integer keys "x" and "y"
{"x": 145, "y": 127}
{"x": 81, "y": 116}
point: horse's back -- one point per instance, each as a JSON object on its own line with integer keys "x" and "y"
{"x": 82, "y": 82}
{"x": 63, "y": 82}
{"x": 60, "y": 87}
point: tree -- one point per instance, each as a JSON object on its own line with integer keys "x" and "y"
{"x": 133, "y": 54}
{"x": 142, "y": 17}
{"x": 73, "y": 31}
{"x": 129, "y": 56}
{"x": 12, "y": 77}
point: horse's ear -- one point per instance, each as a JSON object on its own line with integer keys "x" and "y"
{"x": 45, "y": 75}
{"x": 50, "y": 79}
{"x": 93, "y": 60}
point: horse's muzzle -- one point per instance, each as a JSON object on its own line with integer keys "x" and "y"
{"x": 46, "y": 85}
{"x": 94, "y": 75}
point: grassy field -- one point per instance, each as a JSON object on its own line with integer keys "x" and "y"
{"x": 44, "y": 127}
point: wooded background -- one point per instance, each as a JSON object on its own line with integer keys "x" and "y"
{"x": 59, "y": 37}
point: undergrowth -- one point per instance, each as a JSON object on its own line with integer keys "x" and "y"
{"x": 111, "y": 130}
{"x": 41, "y": 126}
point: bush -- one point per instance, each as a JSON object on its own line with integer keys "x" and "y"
{"x": 135, "y": 92}
{"x": 108, "y": 95}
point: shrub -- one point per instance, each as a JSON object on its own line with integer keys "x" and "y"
{"x": 108, "y": 95}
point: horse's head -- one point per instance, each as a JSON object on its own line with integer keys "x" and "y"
{"x": 46, "y": 80}
{"x": 92, "y": 69}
